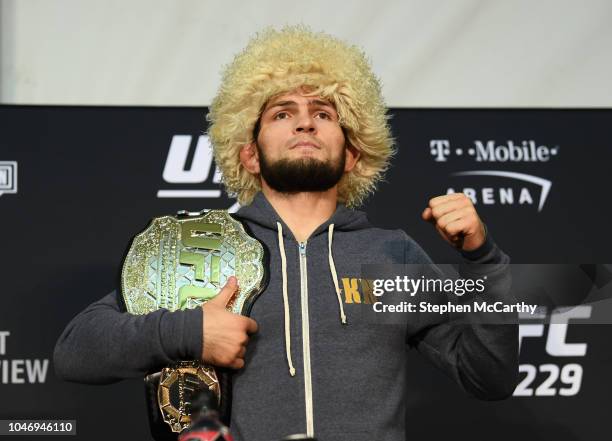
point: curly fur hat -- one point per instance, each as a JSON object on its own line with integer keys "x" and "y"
{"x": 276, "y": 62}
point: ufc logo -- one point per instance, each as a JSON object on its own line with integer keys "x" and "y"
{"x": 177, "y": 171}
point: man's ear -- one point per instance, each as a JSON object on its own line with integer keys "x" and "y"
{"x": 352, "y": 156}
{"x": 249, "y": 158}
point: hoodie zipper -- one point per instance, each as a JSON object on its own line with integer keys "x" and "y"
{"x": 306, "y": 340}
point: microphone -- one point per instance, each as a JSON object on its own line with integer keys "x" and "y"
{"x": 206, "y": 425}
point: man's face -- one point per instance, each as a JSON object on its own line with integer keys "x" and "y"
{"x": 300, "y": 145}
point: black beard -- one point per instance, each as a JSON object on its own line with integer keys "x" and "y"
{"x": 300, "y": 175}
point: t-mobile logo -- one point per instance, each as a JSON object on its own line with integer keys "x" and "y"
{"x": 440, "y": 149}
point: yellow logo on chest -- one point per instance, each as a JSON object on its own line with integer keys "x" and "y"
{"x": 356, "y": 290}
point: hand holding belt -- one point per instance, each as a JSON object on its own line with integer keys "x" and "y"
{"x": 182, "y": 262}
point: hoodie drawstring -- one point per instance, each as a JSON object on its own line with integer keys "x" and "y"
{"x": 332, "y": 269}
{"x": 281, "y": 248}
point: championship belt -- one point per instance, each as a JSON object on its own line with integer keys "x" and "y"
{"x": 182, "y": 262}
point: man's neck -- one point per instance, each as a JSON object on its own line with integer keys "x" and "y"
{"x": 302, "y": 212}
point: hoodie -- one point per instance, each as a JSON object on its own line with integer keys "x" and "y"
{"x": 316, "y": 365}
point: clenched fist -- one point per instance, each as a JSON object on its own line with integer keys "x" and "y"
{"x": 456, "y": 220}
{"x": 225, "y": 334}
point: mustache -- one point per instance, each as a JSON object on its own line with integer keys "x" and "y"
{"x": 302, "y": 140}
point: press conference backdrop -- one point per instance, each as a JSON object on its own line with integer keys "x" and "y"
{"x": 77, "y": 183}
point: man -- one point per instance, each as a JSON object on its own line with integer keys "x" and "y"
{"x": 299, "y": 130}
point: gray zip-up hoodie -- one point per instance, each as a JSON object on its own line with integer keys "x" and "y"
{"x": 316, "y": 365}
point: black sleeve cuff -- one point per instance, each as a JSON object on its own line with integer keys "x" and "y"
{"x": 483, "y": 253}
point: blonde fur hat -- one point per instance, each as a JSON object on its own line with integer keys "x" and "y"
{"x": 276, "y": 62}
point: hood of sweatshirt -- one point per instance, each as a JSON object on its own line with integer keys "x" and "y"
{"x": 262, "y": 213}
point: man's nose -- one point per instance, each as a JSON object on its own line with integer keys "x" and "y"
{"x": 305, "y": 123}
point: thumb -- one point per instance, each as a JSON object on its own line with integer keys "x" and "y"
{"x": 226, "y": 292}
{"x": 427, "y": 215}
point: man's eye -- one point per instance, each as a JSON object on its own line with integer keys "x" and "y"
{"x": 324, "y": 115}
{"x": 281, "y": 115}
